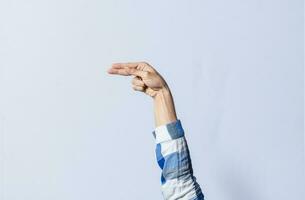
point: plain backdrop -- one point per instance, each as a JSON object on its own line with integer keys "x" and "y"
{"x": 69, "y": 131}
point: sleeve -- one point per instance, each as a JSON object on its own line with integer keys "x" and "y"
{"x": 173, "y": 156}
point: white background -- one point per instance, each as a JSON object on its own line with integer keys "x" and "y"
{"x": 69, "y": 131}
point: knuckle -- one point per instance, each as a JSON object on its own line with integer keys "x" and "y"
{"x": 153, "y": 70}
{"x": 145, "y": 74}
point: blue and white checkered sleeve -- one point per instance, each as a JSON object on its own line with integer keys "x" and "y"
{"x": 173, "y": 156}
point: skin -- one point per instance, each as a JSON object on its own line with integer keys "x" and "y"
{"x": 147, "y": 80}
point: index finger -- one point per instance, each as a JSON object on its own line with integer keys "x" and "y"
{"x": 127, "y": 72}
{"x": 125, "y": 65}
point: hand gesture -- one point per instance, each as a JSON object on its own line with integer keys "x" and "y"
{"x": 146, "y": 78}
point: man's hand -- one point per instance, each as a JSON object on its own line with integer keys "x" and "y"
{"x": 146, "y": 79}
{"x": 149, "y": 81}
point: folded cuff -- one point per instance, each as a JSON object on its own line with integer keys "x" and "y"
{"x": 167, "y": 132}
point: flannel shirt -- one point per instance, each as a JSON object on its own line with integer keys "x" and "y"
{"x": 173, "y": 156}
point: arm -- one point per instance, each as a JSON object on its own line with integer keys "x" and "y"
{"x": 177, "y": 180}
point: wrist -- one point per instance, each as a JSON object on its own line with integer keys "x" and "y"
{"x": 164, "y": 107}
{"x": 163, "y": 93}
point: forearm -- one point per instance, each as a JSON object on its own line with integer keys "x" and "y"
{"x": 172, "y": 152}
{"x": 164, "y": 107}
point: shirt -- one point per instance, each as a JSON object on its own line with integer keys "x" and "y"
{"x": 173, "y": 156}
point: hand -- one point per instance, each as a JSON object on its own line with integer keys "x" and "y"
{"x": 149, "y": 81}
{"x": 146, "y": 79}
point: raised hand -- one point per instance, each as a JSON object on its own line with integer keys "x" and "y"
{"x": 149, "y": 81}
{"x": 146, "y": 79}
{"x": 172, "y": 151}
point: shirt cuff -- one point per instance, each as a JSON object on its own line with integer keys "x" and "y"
{"x": 167, "y": 132}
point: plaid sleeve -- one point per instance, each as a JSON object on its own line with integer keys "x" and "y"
{"x": 173, "y": 156}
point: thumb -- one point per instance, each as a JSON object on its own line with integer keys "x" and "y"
{"x": 150, "y": 92}
{"x": 136, "y": 72}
